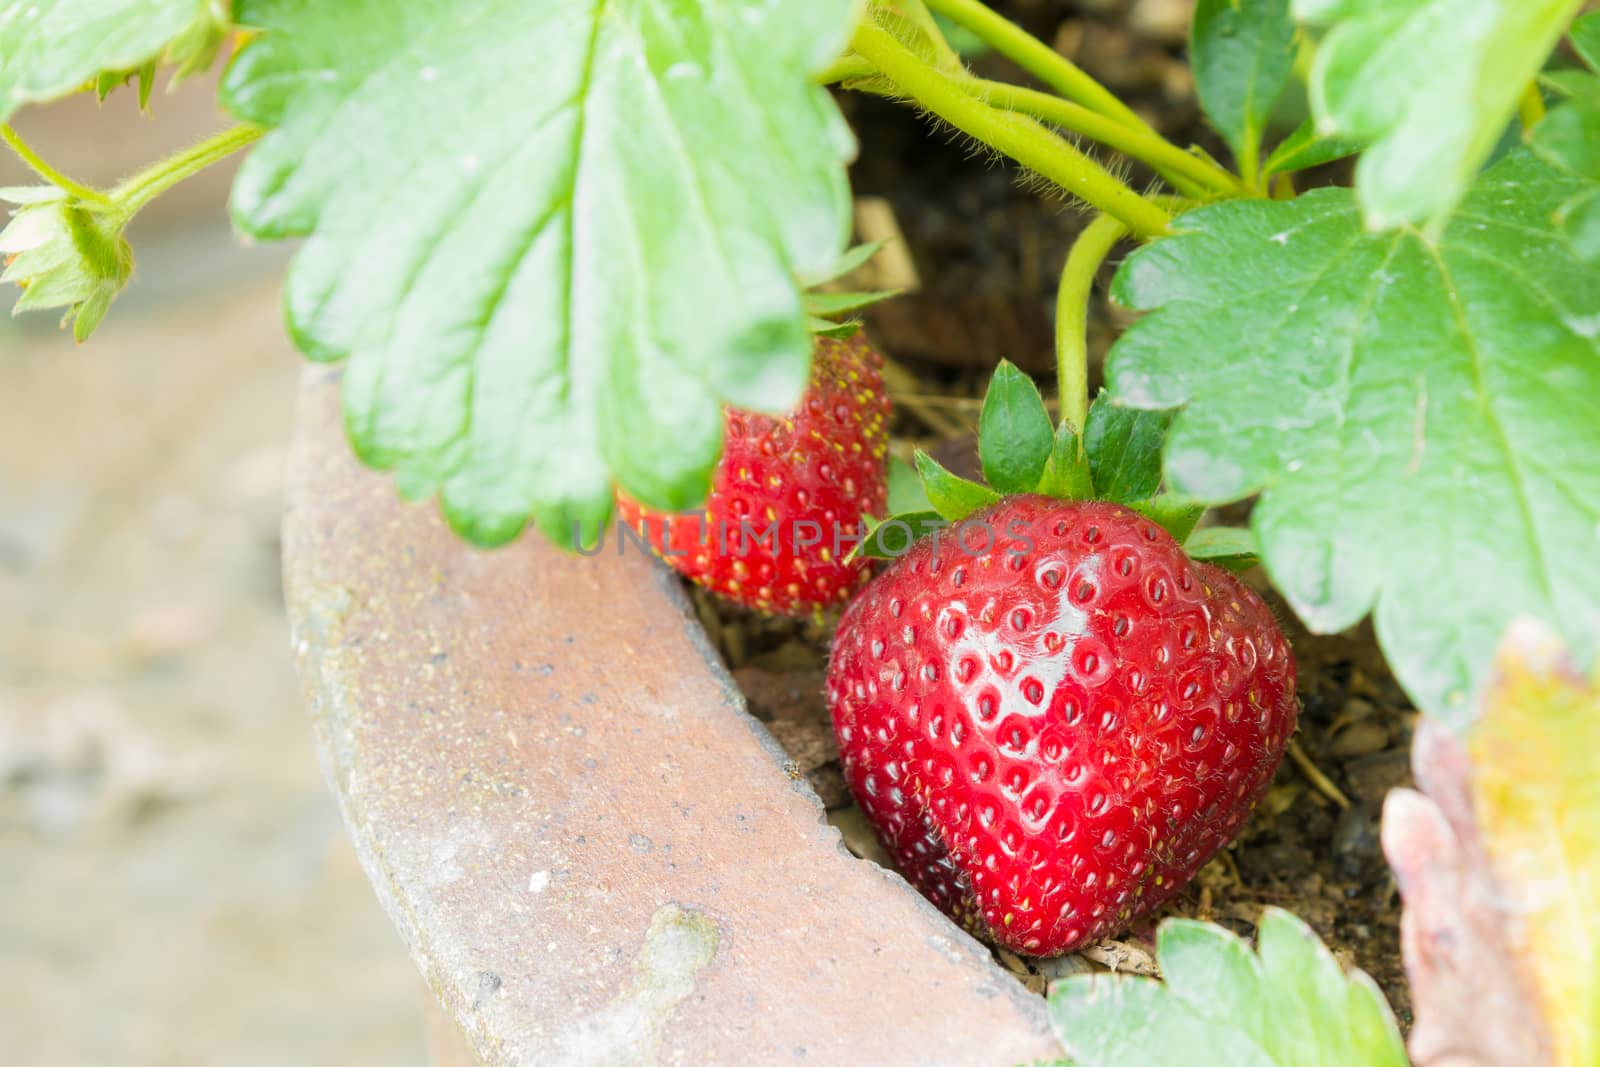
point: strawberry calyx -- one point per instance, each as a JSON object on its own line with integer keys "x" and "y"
{"x": 64, "y": 253}
{"x": 1116, "y": 458}
{"x": 826, "y": 303}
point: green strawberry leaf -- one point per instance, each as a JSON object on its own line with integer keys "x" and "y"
{"x": 1569, "y": 138}
{"x": 1124, "y": 447}
{"x": 1585, "y": 38}
{"x": 1306, "y": 148}
{"x": 1220, "y": 1005}
{"x": 1243, "y": 53}
{"x": 1579, "y": 222}
{"x": 561, "y": 288}
{"x": 1415, "y": 415}
{"x": 1572, "y": 84}
{"x": 952, "y": 496}
{"x": 1430, "y": 84}
{"x": 893, "y": 537}
{"x": 1015, "y": 433}
{"x": 1066, "y": 476}
{"x": 1226, "y": 546}
{"x": 49, "y": 48}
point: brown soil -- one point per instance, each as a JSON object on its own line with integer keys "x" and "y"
{"x": 987, "y": 249}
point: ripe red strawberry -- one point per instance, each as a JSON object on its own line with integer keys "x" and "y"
{"x": 1053, "y": 734}
{"x": 811, "y": 477}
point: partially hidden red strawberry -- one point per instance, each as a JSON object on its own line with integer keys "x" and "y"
{"x": 1051, "y": 735}
{"x": 789, "y": 494}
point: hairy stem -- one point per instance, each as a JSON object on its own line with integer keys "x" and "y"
{"x": 917, "y": 11}
{"x": 1012, "y": 134}
{"x": 1189, "y": 174}
{"x": 157, "y": 178}
{"x": 1089, "y": 251}
{"x": 845, "y": 68}
{"x": 92, "y": 197}
{"x": 1037, "y": 58}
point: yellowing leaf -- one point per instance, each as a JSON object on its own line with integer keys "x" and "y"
{"x": 1537, "y": 798}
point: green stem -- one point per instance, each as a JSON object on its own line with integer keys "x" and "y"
{"x": 1090, "y": 250}
{"x": 844, "y": 69}
{"x": 1249, "y": 160}
{"x": 1037, "y": 58}
{"x": 918, "y": 13}
{"x": 157, "y": 178}
{"x": 44, "y": 170}
{"x": 1187, "y": 173}
{"x": 1012, "y": 134}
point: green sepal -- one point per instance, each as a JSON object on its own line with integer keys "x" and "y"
{"x": 108, "y": 80}
{"x": 192, "y": 51}
{"x": 905, "y": 488}
{"x": 90, "y": 313}
{"x": 195, "y": 49}
{"x": 23, "y": 195}
{"x": 1306, "y": 148}
{"x": 824, "y": 305}
{"x": 1124, "y": 449}
{"x": 1173, "y": 512}
{"x": 893, "y": 537}
{"x": 1014, "y": 432}
{"x": 853, "y": 260}
{"x": 951, "y": 495}
{"x": 65, "y": 255}
{"x": 828, "y": 328}
{"x": 822, "y": 309}
{"x": 1229, "y": 547}
{"x": 147, "y": 82}
{"x": 1066, "y": 476}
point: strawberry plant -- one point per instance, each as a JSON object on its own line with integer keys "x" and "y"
{"x": 565, "y": 254}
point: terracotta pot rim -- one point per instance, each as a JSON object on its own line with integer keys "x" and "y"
{"x": 592, "y": 850}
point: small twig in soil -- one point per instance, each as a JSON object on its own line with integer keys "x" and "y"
{"x": 903, "y": 387}
{"x": 1319, "y": 781}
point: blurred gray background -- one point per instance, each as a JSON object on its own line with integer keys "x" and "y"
{"x": 175, "y": 887}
